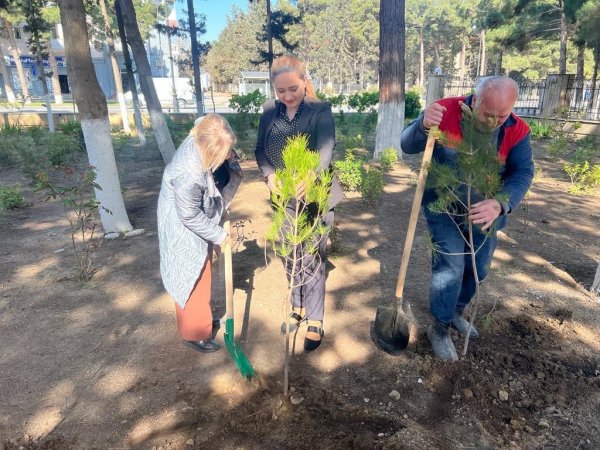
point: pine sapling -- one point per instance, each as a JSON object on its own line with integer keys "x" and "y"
{"x": 300, "y": 199}
{"x": 473, "y": 177}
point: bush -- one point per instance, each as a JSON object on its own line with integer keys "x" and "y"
{"x": 371, "y": 187}
{"x": 412, "y": 105}
{"x": 11, "y": 198}
{"x": 584, "y": 176}
{"x": 59, "y": 147}
{"x": 248, "y": 103}
{"x": 352, "y": 142}
{"x": 350, "y": 172}
{"x": 73, "y": 128}
{"x": 388, "y": 159}
{"x": 15, "y": 148}
{"x": 540, "y": 129}
{"x": 364, "y": 101}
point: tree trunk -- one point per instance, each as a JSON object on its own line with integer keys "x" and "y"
{"x": 483, "y": 61}
{"x": 270, "y": 47}
{"x": 595, "y": 76}
{"x": 498, "y": 68}
{"x": 137, "y": 113}
{"x": 390, "y": 118}
{"x": 157, "y": 118}
{"x": 172, "y": 67}
{"x": 422, "y": 57}
{"x": 17, "y": 57}
{"x": 562, "y": 61}
{"x": 42, "y": 77}
{"x": 195, "y": 58}
{"x": 54, "y": 68}
{"x": 579, "y": 81}
{"x": 6, "y": 76}
{"x": 93, "y": 113}
{"x": 463, "y": 59}
{"x": 110, "y": 43}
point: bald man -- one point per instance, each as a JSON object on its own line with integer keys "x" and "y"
{"x": 452, "y": 281}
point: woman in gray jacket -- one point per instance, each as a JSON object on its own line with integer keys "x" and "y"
{"x": 191, "y": 202}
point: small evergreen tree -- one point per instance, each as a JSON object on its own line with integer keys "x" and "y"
{"x": 300, "y": 200}
{"x": 473, "y": 178}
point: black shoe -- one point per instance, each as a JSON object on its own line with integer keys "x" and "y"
{"x": 206, "y": 346}
{"x": 295, "y": 323}
{"x": 310, "y": 344}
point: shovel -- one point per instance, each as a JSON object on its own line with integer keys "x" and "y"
{"x": 392, "y": 323}
{"x": 238, "y": 355}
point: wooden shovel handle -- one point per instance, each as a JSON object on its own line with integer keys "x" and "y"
{"x": 226, "y": 250}
{"x": 414, "y": 214}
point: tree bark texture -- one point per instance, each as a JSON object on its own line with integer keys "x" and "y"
{"x": 110, "y": 43}
{"x": 157, "y": 118}
{"x": 17, "y": 57}
{"x": 390, "y": 118}
{"x": 93, "y": 113}
{"x": 137, "y": 113}
{"x": 195, "y": 58}
{"x": 10, "y": 94}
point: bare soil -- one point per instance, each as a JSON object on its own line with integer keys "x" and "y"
{"x": 99, "y": 365}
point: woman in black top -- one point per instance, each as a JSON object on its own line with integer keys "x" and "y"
{"x": 298, "y": 111}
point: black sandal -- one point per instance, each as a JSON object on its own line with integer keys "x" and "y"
{"x": 293, "y": 325}
{"x": 310, "y": 344}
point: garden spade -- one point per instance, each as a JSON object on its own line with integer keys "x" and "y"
{"x": 238, "y": 355}
{"x": 392, "y": 323}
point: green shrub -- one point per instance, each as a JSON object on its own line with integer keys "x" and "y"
{"x": 73, "y": 128}
{"x": 15, "y": 148}
{"x": 11, "y": 198}
{"x": 412, "y": 104}
{"x": 388, "y": 159}
{"x": 248, "y": 103}
{"x": 59, "y": 147}
{"x": 584, "y": 176}
{"x": 37, "y": 133}
{"x": 371, "y": 187}
{"x": 349, "y": 172}
{"x": 540, "y": 129}
{"x": 352, "y": 142}
{"x": 587, "y": 149}
{"x": 364, "y": 101}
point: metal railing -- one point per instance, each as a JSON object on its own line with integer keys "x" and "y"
{"x": 584, "y": 99}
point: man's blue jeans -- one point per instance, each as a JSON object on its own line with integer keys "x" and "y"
{"x": 452, "y": 280}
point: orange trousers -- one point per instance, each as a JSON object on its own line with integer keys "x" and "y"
{"x": 195, "y": 320}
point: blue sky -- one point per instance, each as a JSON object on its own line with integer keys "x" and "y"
{"x": 216, "y": 13}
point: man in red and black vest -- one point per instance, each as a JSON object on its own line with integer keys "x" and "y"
{"x": 452, "y": 281}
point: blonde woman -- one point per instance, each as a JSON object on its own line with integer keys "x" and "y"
{"x": 191, "y": 202}
{"x": 298, "y": 111}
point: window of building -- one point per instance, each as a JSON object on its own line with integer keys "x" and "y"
{"x": 17, "y": 33}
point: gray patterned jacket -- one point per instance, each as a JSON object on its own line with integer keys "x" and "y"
{"x": 189, "y": 211}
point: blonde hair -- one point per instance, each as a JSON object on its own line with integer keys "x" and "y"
{"x": 288, "y": 64}
{"x": 215, "y": 138}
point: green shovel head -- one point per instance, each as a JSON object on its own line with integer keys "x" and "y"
{"x": 238, "y": 355}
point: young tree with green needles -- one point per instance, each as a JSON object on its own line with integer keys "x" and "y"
{"x": 473, "y": 179}
{"x": 299, "y": 202}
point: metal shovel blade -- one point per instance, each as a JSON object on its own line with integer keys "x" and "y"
{"x": 392, "y": 328}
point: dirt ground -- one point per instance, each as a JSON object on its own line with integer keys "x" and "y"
{"x": 99, "y": 365}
